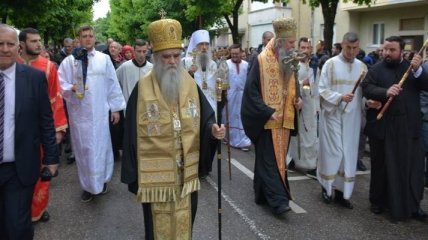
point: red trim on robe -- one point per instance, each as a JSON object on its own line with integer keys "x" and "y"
{"x": 41, "y": 190}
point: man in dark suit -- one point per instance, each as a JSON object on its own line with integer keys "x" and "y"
{"x": 266, "y": 37}
{"x": 25, "y": 123}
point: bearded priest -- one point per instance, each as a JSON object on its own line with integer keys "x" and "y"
{"x": 169, "y": 125}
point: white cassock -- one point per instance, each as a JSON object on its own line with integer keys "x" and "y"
{"x": 88, "y": 117}
{"x": 210, "y": 76}
{"x": 307, "y": 123}
{"x": 237, "y": 137}
{"x": 339, "y": 130}
{"x": 128, "y": 75}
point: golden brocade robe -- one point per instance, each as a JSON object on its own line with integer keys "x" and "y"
{"x": 168, "y": 143}
{"x": 281, "y": 97}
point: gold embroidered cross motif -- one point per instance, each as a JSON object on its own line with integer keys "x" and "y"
{"x": 162, "y": 13}
{"x": 204, "y": 81}
{"x": 153, "y": 115}
{"x": 176, "y": 125}
{"x": 194, "y": 53}
{"x": 192, "y": 109}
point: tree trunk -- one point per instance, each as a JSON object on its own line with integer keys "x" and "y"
{"x": 46, "y": 38}
{"x": 235, "y": 13}
{"x": 234, "y": 26}
{"x": 329, "y": 8}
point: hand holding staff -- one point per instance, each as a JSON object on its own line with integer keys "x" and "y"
{"x": 404, "y": 78}
{"x": 363, "y": 73}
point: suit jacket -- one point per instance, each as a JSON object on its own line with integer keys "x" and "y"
{"x": 33, "y": 124}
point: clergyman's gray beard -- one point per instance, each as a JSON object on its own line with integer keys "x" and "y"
{"x": 169, "y": 79}
{"x": 285, "y": 69}
{"x": 202, "y": 60}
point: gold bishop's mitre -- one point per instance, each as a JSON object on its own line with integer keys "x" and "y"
{"x": 284, "y": 27}
{"x": 165, "y": 34}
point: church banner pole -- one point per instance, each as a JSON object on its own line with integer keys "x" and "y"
{"x": 220, "y": 210}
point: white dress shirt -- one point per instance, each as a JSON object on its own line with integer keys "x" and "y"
{"x": 9, "y": 114}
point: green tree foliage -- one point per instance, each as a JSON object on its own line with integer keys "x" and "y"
{"x": 222, "y": 9}
{"x": 24, "y": 7}
{"x": 101, "y": 26}
{"x": 55, "y": 19}
{"x": 129, "y": 19}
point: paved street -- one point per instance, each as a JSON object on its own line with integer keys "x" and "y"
{"x": 117, "y": 215}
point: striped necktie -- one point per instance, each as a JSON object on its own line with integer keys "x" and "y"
{"x": 1, "y": 114}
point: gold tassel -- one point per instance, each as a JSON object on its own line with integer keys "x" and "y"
{"x": 157, "y": 194}
{"x": 190, "y": 186}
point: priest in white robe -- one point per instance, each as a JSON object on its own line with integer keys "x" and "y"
{"x": 133, "y": 70}
{"x": 340, "y": 125}
{"x": 90, "y": 88}
{"x": 305, "y": 155}
{"x": 198, "y": 62}
{"x": 238, "y": 69}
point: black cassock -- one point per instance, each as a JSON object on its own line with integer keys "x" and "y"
{"x": 396, "y": 150}
{"x": 129, "y": 162}
{"x": 268, "y": 186}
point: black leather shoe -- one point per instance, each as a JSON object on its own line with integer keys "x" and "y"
{"x": 45, "y": 217}
{"x": 86, "y": 196}
{"x": 347, "y": 204}
{"x": 326, "y": 198}
{"x": 338, "y": 196}
{"x": 361, "y": 166}
{"x": 105, "y": 189}
{"x": 67, "y": 148}
{"x": 71, "y": 159}
{"x": 420, "y": 215}
{"x": 281, "y": 209}
{"x": 376, "y": 209}
{"x": 312, "y": 174}
{"x": 291, "y": 165}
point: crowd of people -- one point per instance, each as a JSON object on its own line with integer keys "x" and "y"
{"x": 157, "y": 108}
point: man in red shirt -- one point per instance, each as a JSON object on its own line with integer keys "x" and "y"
{"x": 31, "y": 46}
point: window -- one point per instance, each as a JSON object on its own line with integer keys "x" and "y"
{"x": 378, "y": 33}
{"x": 412, "y": 24}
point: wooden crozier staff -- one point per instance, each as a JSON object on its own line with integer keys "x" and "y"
{"x": 219, "y": 91}
{"x": 403, "y": 79}
{"x": 293, "y": 59}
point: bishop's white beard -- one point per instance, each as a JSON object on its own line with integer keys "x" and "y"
{"x": 285, "y": 69}
{"x": 169, "y": 79}
{"x": 203, "y": 59}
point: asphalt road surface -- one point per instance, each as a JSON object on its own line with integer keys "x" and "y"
{"x": 117, "y": 215}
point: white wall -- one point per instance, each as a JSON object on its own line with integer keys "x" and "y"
{"x": 261, "y": 20}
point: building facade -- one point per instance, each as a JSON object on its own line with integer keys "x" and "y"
{"x": 405, "y": 18}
